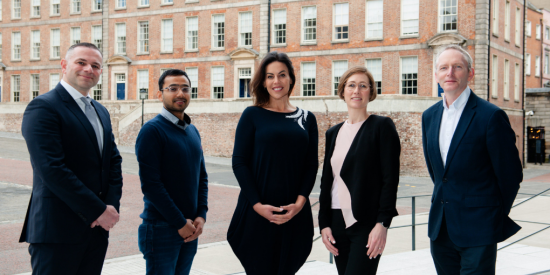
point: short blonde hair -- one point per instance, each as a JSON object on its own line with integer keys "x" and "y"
{"x": 357, "y": 70}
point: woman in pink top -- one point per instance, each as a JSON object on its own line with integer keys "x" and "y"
{"x": 359, "y": 181}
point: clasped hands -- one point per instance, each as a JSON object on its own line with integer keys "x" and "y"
{"x": 108, "y": 219}
{"x": 375, "y": 245}
{"x": 192, "y": 229}
{"x": 268, "y": 211}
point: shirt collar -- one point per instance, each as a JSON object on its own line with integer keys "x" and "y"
{"x": 460, "y": 102}
{"x": 174, "y": 119}
{"x": 72, "y": 91}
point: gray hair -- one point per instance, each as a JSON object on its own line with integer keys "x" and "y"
{"x": 461, "y": 50}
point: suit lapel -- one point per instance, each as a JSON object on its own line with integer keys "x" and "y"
{"x": 465, "y": 119}
{"x": 79, "y": 114}
{"x": 436, "y": 121}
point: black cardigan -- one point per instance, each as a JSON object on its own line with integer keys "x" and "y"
{"x": 370, "y": 171}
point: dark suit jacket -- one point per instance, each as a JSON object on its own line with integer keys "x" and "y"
{"x": 477, "y": 187}
{"x": 370, "y": 171}
{"x": 72, "y": 182}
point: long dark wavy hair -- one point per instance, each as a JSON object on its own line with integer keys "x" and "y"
{"x": 259, "y": 92}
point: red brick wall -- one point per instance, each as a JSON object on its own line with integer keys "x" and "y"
{"x": 534, "y": 48}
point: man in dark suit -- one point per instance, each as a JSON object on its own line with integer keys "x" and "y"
{"x": 472, "y": 159}
{"x": 77, "y": 178}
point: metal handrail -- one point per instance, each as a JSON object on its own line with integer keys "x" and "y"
{"x": 414, "y": 224}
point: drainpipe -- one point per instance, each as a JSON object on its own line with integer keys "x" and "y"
{"x": 523, "y": 86}
{"x": 489, "y": 54}
{"x": 268, "y": 26}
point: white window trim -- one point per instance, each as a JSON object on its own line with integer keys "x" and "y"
{"x": 139, "y": 5}
{"x": 72, "y": 7}
{"x": 538, "y": 31}
{"x": 32, "y": 46}
{"x": 302, "y": 28}
{"x": 32, "y": 10}
{"x": 12, "y": 91}
{"x": 13, "y": 9}
{"x": 214, "y": 44}
{"x": 381, "y": 72}
{"x": 506, "y": 79}
{"x": 537, "y": 66}
{"x": 367, "y": 24}
{"x": 212, "y": 82}
{"x": 241, "y": 42}
{"x": 334, "y": 23}
{"x": 162, "y": 50}
{"x": 401, "y": 75}
{"x": 439, "y": 29}
{"x": 51, "y": 9}
{"x": 494, "y": 77}
{"x": 516, "y": 82}
{"x": 116, "y": 38}
{"x": 403, "y": 25}
{"x": 13, "y": 46}
{"x": 333, "y": 76}
{"x": 527, "y": 64}
{"x": 528, "y": 27}
{"x": 273, "y": 32}
{"x": 194, "y": 83}
{"x": 302, "y": 78}
{"x": 187, "y": 46}
{"x": 507, "y": 15}
{"x": 117, "y": 7}
{"x": 518, "y": 26}
{"x": 137, "y": 84}
{"x": 138, "y": 38}
{"x": 52, "y": 85}
{"x": 495, "y": 17}
{"x": 93, "y": 5}
{"x": 32, "y": 84}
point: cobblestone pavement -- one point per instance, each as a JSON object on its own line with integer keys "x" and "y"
{"x": 16, "y": 186}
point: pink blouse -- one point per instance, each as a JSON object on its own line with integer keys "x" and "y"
{"x": 341, "y": 198}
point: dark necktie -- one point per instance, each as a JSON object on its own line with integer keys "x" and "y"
{"x": 89, "y": 110}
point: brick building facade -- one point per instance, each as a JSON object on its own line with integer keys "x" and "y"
{"x": 533, "y": 48}
{"x": 220, "y": 43}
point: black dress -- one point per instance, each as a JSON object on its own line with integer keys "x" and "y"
{"x": 274, "y": 161}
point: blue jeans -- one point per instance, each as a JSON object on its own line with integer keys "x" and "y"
{"x": 164, "y": 250}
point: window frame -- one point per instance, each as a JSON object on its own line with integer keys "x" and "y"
{"x": 52, "y": 8}
{"x": 96, "y": 3}
{"x": 145, "y": 49}
{"x": 516, "y": 82}
{"x": 33, "y": 47}
{"x": 494, "y": 77}
{"x": 215, "y": 32}
{"x": 14, "y": 97}
{"x": 367, "y": 21}
{"x": 35, "y": 13}
{"x": 98, "y": 87}
{"x": 537, "y": 66}
{"x": 213, "y": 89}
{"x": 412, "y": 79}
{"x": 495, "y": 18}
{"x": 333, "y": 79}
{"x": 117, "y": 36}
{"x": 73, "y": 29}
{"x": 378, "y": 90}
{"x": 507, "y": 7}
{"x": 506, "y": 79}
{"x": 275, "y": 30}
{"x": 34, "y": 92}
{"x": 334, "y": 26}
{"x": 241, "y": 43}
{"x": 538, "y": 32}
{"x": 163, "y": 40}
{"x": 518, "y": 26}
{"x": 118, "y": 7}
{"x": 547, "y": 33}
{"x": 546, "y": 63}
{"x": 194, "y": 84}
{"x": 13, "y": 9}
{"x": 190, "y": 43}
{"x": 303, "y": 26}
{"x": 139, "y": 82}
{"x": 527, "y": 64}
{"x": 439, "y": 18}
{"x": 142, "y": 5}
{"x": 402, "y": 20}
{"x": 76, "y": 9}
{"x": 303, "y": 82}
{"x": 528, "y": 27}
{"x": 52, "y": 55}
{"x": 14, "y": 46}
{"x": 99, "y": 44}
{"x": 52, "y": 85}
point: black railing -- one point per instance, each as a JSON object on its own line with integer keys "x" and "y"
{"x": 414, "y": 224}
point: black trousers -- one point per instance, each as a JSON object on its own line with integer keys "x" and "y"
{"x": 70, "y": 259}
{"x": 450, "y": 259}
{"x": 352, "y": 248}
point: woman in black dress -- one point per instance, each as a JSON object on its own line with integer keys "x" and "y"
{"x": 359, "y": 181}
{"x": 275, "y": 162}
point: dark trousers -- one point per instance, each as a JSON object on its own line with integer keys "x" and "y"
{"x": 67, "y": 259}
{"x": 164, "y": 250}
{"x": 539, "y": 158}
{"x": 352, "y": 248}
{"x": 450, "y": 259}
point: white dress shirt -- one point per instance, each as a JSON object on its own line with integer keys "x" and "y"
{"x": 76, "y": 96}
{"x": 449, "y": 121}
